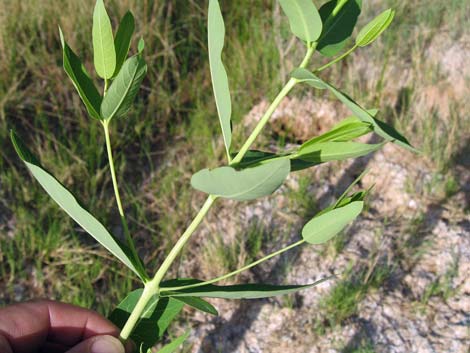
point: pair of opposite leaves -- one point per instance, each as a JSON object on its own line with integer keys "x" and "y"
{"x": 111, "y": 63}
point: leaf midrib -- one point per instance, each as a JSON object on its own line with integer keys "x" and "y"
{"x": 257, "y": 185}
{"x": 128, "y": 87}
{"x": 307, "y": 32}
{"x": 333, "y": 24}
{"x": 105, "y": 73}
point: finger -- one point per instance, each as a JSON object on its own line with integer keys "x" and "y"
{"x": 99, "y": 344}
{"x": 4, "y": 345}
{"x": 28, "y": 326}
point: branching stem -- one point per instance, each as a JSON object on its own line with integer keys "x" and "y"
{"x": 153, "y": 286}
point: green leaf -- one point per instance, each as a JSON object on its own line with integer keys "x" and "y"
{"x": 122, "y": 42}
{"x": 239, "y": 291}
{"x": 173, "y": 345}
{"x": 72, "y": 207}
{"x": 375, "y": 28}
{"x": 216, "y": 37}
{"x": 380, "y": 128}
{"x": 81, "y": 80}
{"x": 103, "y": 42}
{"x": 157, "y": 316}
{"x": 305, "y": 76}
{"x": 339, "y": 19}
{"x": 254, "y": 157}
{"x": 141, "y": 45}
{"x": 124, "y": 88}
{"x": 199, "y": 304}
{"x": 324, "y": 227}
{"x": 304, "y": 19}
{"x": 335, "y": 151}
{"x": 349, "y": 129}
{"x": 344, "y": 201}
{"x": 246, "y": 184}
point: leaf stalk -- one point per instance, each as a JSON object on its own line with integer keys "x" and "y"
{"x": 339, "y": 58}
{"x": 236, "y": 272}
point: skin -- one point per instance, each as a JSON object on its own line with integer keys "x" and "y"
{"x": 53, "y": 327}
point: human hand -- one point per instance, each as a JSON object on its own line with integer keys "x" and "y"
{"x": 52, "y": 327}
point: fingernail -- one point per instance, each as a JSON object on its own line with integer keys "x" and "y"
{"x": 107, "y": 344}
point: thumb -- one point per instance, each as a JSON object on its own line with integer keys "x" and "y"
{"x": 99, "y": 344}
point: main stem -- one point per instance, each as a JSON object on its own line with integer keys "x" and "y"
{"x": 153, "y": 286}
{"x": 127, "y": 233}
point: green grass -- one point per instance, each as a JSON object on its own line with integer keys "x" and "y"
{"x": 343, "y": 300}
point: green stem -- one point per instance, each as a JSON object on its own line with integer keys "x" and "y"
{"x": 127, "y": 234}
{"x": 105, "y": 87}
{"x": 272, "y": 108}
{"x": 236, "y": 272}
{"x": 147, "y": 294}
{"x": 339, "y": 58}
{"x": 152, "y": 287}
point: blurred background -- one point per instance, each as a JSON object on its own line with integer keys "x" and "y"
{"x": 402, "y": 268}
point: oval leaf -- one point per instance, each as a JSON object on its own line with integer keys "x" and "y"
{"x": 72, "y": 207}
{"x": 246, "y": 184}
{"x": 239, "y": 291}
{"x": 103, "y": 42}
{"x": 304, "y": 19}
{"x": 157, "y": 316}
{"x": 324, "y": 227}
{"x": 124, "y": 88}
{"x": 122, "y": 42}
{"x": 335, "y": 151}
{"x": 339, "y": 19}
{"x": 375, "y": 28}
{"x": 216, "y": 37}
{"x": 81, "y": 80}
